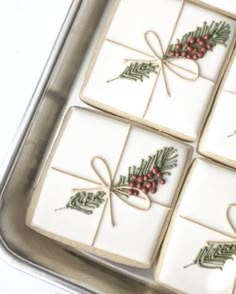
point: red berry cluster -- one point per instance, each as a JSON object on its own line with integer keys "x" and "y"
{"x": 194, "y": 49}
{"x": 146, "y": 183}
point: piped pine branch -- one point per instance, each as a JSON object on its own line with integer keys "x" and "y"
{"x": 192, "y": 45}
{"x": 214, "y": 255}
{"x": 145, "y": 177}
{"x": 137, "y": 71}
{"x": 85, "y": 201}
{"x": 151, "y": 172}
{"x": 196, "y": 44}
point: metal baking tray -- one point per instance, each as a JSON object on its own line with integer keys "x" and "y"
{"x": 20, "y": 246}
{"x": 57, "y": 90}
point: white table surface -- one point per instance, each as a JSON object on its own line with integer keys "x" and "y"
{"x": 28, "y": 30}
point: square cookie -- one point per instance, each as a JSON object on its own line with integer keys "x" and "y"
{"x": 219, "y": 137}
{"x": 159, "y": 63}
{"x": 108, "y": 187}
{"x": 198, "y": 254}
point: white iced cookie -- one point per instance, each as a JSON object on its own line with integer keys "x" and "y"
{"x": 108, "y": 188}
{"x": 198, "y": 254}
{"x": 219, "y": 137}
{"x": 159, "y": 63}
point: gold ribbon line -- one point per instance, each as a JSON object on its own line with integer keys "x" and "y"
{"x": 227, "y": 213}
{"x": 229, "y": 219}
{"x": 109, "y": 188}
{"x": 219, "y": 232}
{"x": 105, "y": 183}
{"x": 229, "y": 222}
{"x": 165, "y": 63}
{"x": 229, "y": 91}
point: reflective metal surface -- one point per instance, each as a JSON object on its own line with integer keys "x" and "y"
{"x": 20, "y": 246}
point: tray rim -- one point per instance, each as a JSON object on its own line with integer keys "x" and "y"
{"x": 7, "y": 255}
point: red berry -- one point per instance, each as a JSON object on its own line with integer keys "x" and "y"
{"x": 153, "y": 191}
{"x": 150, "y": 175}
{"x": 183, "y": 54}
{"x": 134, "y": 177}
{"x": 208, "y": 46}
{"x": 158, "y": 174}
{"x": 206, "y": 37}
{"x": 201, "y": 43}
{"x": 162, "y": 181}
{"x": 203, "y": 50}
{"x": 195, "y": 57}
{"x": 140, "y": 179}
{"x": 148, "y": 185}
{"x": 177, "y": 54}
{"x": 130, "y": 191}
{"x": 145, "y": 190}
{"x": 189, "y": 48}
{"x": 177, "y": 46}
{"x": 192, "y": 40}
{"x": 155, "y": 170}
{"x": 200, "y": 55}
{"x": 198, "y": 39}
{"x": 188, "y": 56}
{"x": 132, "y": 184}
{"x": 186, "y": 44}
{"x": 135, "y": 193}
{"x": 145, "y": 178}
{"x": 154, "y": 184}
{"x": 139, "y": 186}
{"x": 171, "y": 53}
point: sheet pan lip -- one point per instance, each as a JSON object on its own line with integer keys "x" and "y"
{"x": 37, "y": 271}
{"x": 37, "y": 95}
{"x": 6, "y": 253}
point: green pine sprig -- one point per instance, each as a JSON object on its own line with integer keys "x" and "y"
{"x": 164, "y": 159}
{"x": 201, "y": 40}
{"x": 214, "y": 255}
{"x": 137, "y": 71}
{"x": 193, "y": 45}
{"x": 85, "y": 201}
